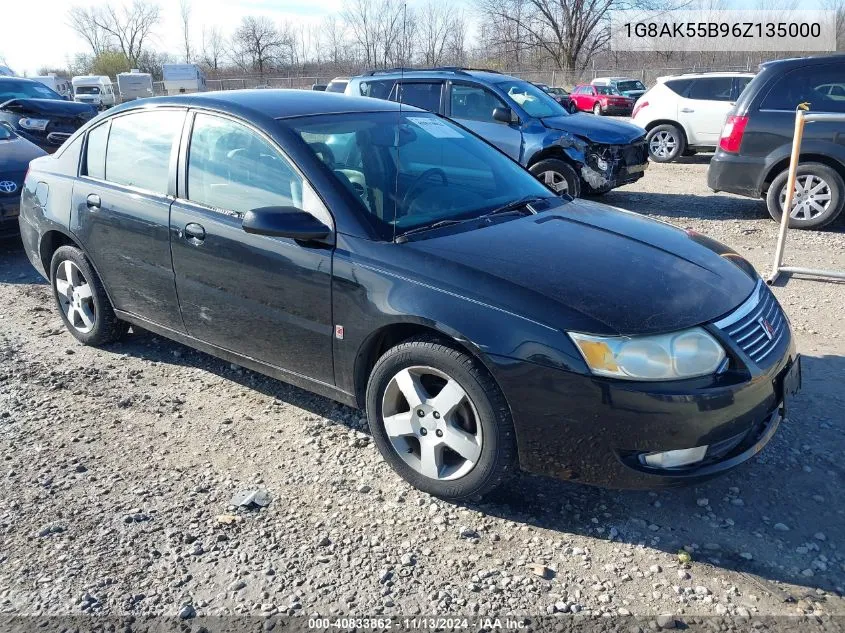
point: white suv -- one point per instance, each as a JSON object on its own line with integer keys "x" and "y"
{"x": 685, "y": 113}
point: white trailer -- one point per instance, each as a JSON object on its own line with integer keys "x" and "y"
{"x": 61, "y": 85}
{"x": 183, "y": 78}
{"x": 97, "y": 90}
{"x": 134, "y": 85}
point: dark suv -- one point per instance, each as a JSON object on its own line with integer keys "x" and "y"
{"x": 756, "y": 141}
{"x": 571, "y": 153}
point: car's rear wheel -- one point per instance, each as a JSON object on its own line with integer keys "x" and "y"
{"x": 665, "y": 143}
{"x": 440, "y": 420}
{"x": 818, "y": 200}
{"x": 82, "y": 301}
{"x": 557, "y": 175}
{"x": 597, "y": 108}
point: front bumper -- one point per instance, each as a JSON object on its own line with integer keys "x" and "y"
{"x": 619, "y": 110}
{"x": 9, "y": 211}
{"x": 592, "y": 430}
{"x": 735, "y": 173}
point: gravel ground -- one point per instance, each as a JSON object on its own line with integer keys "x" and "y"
{"x": 118, "y": 463}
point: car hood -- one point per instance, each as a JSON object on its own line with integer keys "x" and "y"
{"x": 592, "y": 268}
{"x": 50, "y": 107}
{"x": 15, "y": 155}
{"x": 595, "y": 128}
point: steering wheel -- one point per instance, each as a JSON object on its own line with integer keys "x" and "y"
{"x": 328, "y": 155}
{"x": 412, "y": 192}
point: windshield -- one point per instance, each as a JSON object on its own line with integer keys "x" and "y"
{"x": 338, "y": 85}
{"x": 625, "y": 86}
{"x": 413, "y": 169}
{"x": 87, "y": 90}
{"x": 5, "y": 133}
{"x": 11, "y": 89}
{"x": 533, "y": 100}
{"x": 606, "y": 90}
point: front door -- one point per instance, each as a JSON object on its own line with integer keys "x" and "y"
{"x": 121, "y": 207}
{"x": 472, "y": 106}
{"x": 704, "y": 109}
{"x": 267, "y": 298}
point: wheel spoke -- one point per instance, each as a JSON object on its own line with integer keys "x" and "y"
{"x": 71, "y": 314}
{"x": 822, "y": 185}
{"x": 821, "y": 197}
{"x": 69, "y": 272}
{"x": 411, "y": 388}
{"x": 84, "y": 291}
{"x": 87, "y": 315}
{"x": 463, "y": 443}
{"x": 815, "y": 205}
{"x": 431, "y": 459}
{"x": 549, "y": 177}
{"x": 399, "y": 425}
{"x": 62, "y": 286}
{"x": 449, "y": 398}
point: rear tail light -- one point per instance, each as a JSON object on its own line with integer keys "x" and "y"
{"x": 637, "y": 108}
{"x": 732, "y": 132}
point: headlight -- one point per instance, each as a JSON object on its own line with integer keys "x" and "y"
{"x": 673, "y": 356}
{"x": 34, "y": 124}
{"x": 600, "y": 162}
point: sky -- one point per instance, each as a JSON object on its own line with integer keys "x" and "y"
{"x": 46, "y": 40}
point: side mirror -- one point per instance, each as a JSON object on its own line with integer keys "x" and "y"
{"x": 503, "y": 115}
{"x": 284, "y": 222}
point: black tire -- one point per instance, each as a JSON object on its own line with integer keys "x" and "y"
{"x": 671, "y": 134}
{"x": 572, "y": 107}
{"x": 563, "y": 170}
{"x": 498, "y": 457}
{"x": 597, "y": 109}
{"x": 106, "y": 327}
{"x": 834, "y": 184}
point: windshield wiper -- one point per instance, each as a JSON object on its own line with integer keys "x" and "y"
{"x": 512, "y": 206}
{"x": 403, "y": 237}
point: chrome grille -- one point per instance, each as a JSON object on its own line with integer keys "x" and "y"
{"x": 747, "y": 325}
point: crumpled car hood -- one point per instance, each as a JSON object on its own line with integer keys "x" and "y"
{"x": 595, "y": 128}
{"x": 50, "y": 107}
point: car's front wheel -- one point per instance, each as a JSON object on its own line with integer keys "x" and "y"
{"x": 665, "y": 143}
{"x": 82, "y": 301}
{"x": 818, "y": 199}
{"x": 558, "y": 176}
{"x": 597, "y": 108}
{"x": 440, "y": 420}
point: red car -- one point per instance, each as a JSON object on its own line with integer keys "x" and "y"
{"x": 600, "y": 100}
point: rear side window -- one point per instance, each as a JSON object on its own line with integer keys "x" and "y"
{"x": 379, "y": 89}
{"x": 711, "y": 89}
{"x": 421, "y": 95}
{"x": 678, "y": 86}
{"x": 822, "y": 86}
{"x": 95, "y": 154}
{"x": 139, "y": 149}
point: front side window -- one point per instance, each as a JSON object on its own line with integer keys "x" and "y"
{"x": 408, "y": 170}
{"x": 419, "y": 94}
{"x": 821, "y": 86}
{"x": 711, "y": 89}
{"x": 95, "y": 153}
{"x": 139, "y": 148}
{"x": 233, "y": 168}
{"x": 534, "y": 101}
{"x": 473, "y": 103}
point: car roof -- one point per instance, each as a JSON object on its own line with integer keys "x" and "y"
{"x": 4, "y": 78}
{"x": 490, "y": 76}
{"x": 273, "y": 103}
{"x": 804, "y": 61}
{"x": 701, "y": 75}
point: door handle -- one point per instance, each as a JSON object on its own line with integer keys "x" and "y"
{"x": 93, "y": 202}
{"x": 687, "y": 110}
{"x": 194, "y": 233}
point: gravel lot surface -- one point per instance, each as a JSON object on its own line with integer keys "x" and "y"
{"x": 117, "y": 464}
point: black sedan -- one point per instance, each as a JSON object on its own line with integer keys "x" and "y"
{"x": 15, "y": 154}
{"x": 391, "y": 260}
{"x": 39, "y": 114}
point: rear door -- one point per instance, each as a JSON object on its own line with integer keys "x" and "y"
{"x": 472, "y": 106}
{"x": 121, "y": 208}
{"x": 702, "y": 110}
{"x": 268, "y": 298}
{"x": 427, "y": 95}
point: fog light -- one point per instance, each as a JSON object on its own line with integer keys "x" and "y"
{"x": 674, "y": 459}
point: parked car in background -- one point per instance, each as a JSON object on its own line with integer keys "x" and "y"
{"x": 558, "y": 94}
{"x": 134, "y": 85}
{"x": 15, "y": 154}
{"x": 183, "y": 78}
{"x": 390, "y": 259}
{"x": 95, "y": 90}
{"x": 61, "y": 85}
{"x": 685, "y": 113}
{"x": 572, "y": 154}
{"x": 319, "y": 87}
{"x": 39, "y": 114}
{"x": 338, "y": 84}
{"x": 600, "y": 100}
{"x": 626, "y": 86}
{"x": 756, "y": 141}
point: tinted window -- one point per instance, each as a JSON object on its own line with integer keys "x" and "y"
{"x": 95, "y": 154}
{"x": 630, "y": 85}
{"x": 337, "y": 86}
{"x": 820, "y": 85}
{"x": 421, "y": 95}
{"x": 678, "y": 86}
{"x": 741, "y": 82}
{"x": 139, "y": 149}
{"x": 606, "y": 90}
{"x": 231, "y": 167}
{"x": 711, "y": 89}
{"x": 473, "y": 103}
{"x": 379, "y": 89}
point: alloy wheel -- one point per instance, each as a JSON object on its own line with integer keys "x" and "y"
{"x": 555, "y": 181}
{"x": 431, "y": 423}
{"x": 75, "y": 297}
{"x": 662, "y": 144}
{"x": 811, "y": 199}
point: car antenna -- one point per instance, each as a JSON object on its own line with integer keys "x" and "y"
{"x": 399, "y": 117}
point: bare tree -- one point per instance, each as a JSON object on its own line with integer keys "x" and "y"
{"x": 255, "y": 44}
{"x": 839, "y": 7}
{"x": 382, "y": 30}
{"x": 129, "y": 26}
{"x": 213, "y": 48}
{"x": 435, "y": 20}
{"x": 84, "y": 21}
{"x": 333, "y": 40}
{"x": 185, "y": 14}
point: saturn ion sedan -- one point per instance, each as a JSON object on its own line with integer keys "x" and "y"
{"x": 391, "y": 260}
